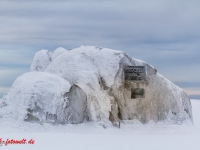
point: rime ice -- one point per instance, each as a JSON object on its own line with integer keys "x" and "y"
{"x": 88, "y": 83}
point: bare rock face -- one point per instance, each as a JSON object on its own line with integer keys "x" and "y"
{"x": 74, "y": 109}
{"x": 92, "y": 83}
{"x": 155, "y": 99}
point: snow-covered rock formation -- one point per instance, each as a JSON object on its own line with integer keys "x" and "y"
{"x": 44, "y": 97}
{"x": 88, "y": 83}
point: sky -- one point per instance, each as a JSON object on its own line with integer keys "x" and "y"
{"x": 164, "y": 33}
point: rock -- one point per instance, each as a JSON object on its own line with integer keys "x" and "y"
{"x": 41, "y": 60}
{"x": 97, "y": 88}
{"x": 44, "y": 97}
{"x": 57, "y": 52}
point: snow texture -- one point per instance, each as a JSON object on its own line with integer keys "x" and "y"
{"x": 43, "y": 97}
{"x": 91, "y": 135}
{"x": 98, "y": 89}
{"x": 58, "y": 52}
{"x": 42, "y": 58}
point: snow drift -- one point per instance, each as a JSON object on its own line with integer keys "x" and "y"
{"x": 88, "y": 83}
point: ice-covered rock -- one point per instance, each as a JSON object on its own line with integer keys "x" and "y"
{"x": 58, "y": 52}
{"x": 44, "y": 97}
{"x": 41, "y": 60}
{"x": 102, "y": 91}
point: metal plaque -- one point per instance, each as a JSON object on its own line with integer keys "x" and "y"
{"x": 135, "y": 73}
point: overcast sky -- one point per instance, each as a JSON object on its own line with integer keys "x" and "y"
{"x": 164, "y": 33}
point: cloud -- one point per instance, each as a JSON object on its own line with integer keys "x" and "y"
{"x": 135, "y": 22}
{"x": 3, "y": 90}
{"x": 15, "y": 56}
{"x": 8, "y": 76}
{"x": 193, "y": 92}
{"x": 164, "y": 33}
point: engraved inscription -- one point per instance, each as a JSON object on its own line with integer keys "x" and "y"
{"x": 135, "y": 73}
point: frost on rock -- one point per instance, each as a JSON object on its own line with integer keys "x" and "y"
{"x": 58, "y": 52}
{"x": 44, "y": 97}
{"x": 41, "y": 60}
{"x": 89, "y": 83}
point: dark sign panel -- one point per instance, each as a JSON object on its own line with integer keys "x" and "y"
{"x": 135, "y": 73}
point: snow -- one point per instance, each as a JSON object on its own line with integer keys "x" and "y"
{"x": 90, "y": 136}
{"x": 58, "y": 52}
{"x": 42, "y": 59}
{"x": 32, "y": 90}
{"x": 43, "y": 97}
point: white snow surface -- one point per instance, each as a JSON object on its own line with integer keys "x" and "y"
{"x": 92, "y": 136}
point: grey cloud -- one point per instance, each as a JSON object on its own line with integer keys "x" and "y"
{"x": 9, "y": 75}
{"x": 163, "y": 33}
{"x": 188, "y": 84}
{"x": 146, "y": 24}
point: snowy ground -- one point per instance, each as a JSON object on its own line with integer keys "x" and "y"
{"x": 89, "y": 136}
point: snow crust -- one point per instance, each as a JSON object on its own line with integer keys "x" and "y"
{"x": 104, "y": 95}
